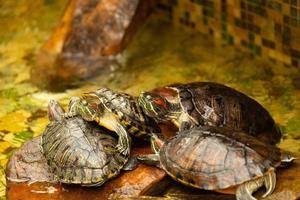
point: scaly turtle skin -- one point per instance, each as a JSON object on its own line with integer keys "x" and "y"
{"x": 78, "y": 152}
{"x": 118, "y": 112}
{"x": 216, "y": 158}
{"x": 212, "y": 104}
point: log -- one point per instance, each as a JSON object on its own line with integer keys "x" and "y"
{"x": 87, "y": 40}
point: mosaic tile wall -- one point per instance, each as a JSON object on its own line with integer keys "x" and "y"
{"x": 270, "y": 28}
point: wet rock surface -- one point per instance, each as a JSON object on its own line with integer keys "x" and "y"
{"x": 28, "y": 177}
{"x": 29, "y": 164}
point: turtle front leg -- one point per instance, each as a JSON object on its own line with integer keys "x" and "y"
{"x": 149, "y": 159}
{"x": 185, "y": 122}
{"x": 131, "y": 164}
{"x": 124, "y": 142}
{"x": 245, "y": 191}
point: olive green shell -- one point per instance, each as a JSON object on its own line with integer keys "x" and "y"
{"x": 215, "y": 104}
{"x": 216, "y": 158}
{"x": 126, "y": 108}
{"x": 80, "y": 153}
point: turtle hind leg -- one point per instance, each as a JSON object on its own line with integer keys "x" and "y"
{"x": 245, "y": 191}
{"x": 185, "y": 122}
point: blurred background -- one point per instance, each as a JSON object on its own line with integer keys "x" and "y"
{"x": 55, "y": 49}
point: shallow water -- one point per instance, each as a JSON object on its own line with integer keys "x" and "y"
{"x": 159, "y": 55}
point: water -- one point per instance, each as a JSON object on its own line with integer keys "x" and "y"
{"x": 160, "y": 54}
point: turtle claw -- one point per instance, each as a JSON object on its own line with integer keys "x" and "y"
{"x": 270, "y": 183}
{"x": 244, "y": 191}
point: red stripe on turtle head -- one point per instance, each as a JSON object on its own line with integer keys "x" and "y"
{"x": 161, "y": 103}
{"x": 166, "y": 92}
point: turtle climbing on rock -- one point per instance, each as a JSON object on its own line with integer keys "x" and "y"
{"x": 118, "y": 112}
{"x": 212, "y": 104}
{"x": 219, "y": 159}
{"x": 79, "y": 152}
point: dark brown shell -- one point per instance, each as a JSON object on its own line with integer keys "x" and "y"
{"x": 216, "y": 158}
{"x": 218, "y": 105}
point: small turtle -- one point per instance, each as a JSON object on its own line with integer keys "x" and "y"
{"x": 216, "y": 158}
{"x": 118, "y": 112}
{"x": 212, "y": 104}
{"x": 79, "y": 152}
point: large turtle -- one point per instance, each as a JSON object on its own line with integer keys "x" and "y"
{"x": 219, "y": 159}
{"x": 79, "y": 152}
{"x": 213, "y": 104}
{"x": 118, "y": 112}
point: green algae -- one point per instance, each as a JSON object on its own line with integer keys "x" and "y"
{"x": 159, "y": 55}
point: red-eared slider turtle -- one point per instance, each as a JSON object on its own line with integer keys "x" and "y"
{"x": 118, "y": 112}
{"x": 212, "y": 104}
{"x": 79, "y": 152}
{"x": 216, "y": 158}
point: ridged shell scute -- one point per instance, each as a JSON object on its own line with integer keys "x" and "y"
{"x": 81, "y": 153}
{"x": 214, "y": 104}
{"x": 217, "y": 158}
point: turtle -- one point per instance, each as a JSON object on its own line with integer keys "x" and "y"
{"x": 212, "y": 104}
{"x": 118, "y": 112}
{"x": 219, "y": 159}
{"x": 79, "y": 152}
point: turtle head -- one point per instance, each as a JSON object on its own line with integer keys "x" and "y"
{"x": 55, "y": 111}
{"x": 155, "y": 105}
{"x": 287, "y": 159}
{"x": 87, "y": 106}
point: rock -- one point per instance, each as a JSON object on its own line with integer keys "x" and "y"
{"x": 29, "y": 177}
{"x": 27, "y": 160}
{"x": 87, "y": 39}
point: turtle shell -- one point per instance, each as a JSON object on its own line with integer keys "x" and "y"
{"x": 214, "y": 158}
{"x": 215, "y": 104}
{"x": 126, "y": 108}
{"x": 79, "y": 152}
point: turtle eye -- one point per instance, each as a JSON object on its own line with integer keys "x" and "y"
{"x": 84, "y": 103}
{"x": 93, "y": 106}
{"x": 160, "y": 102}
{"x": 148, "y": 97}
